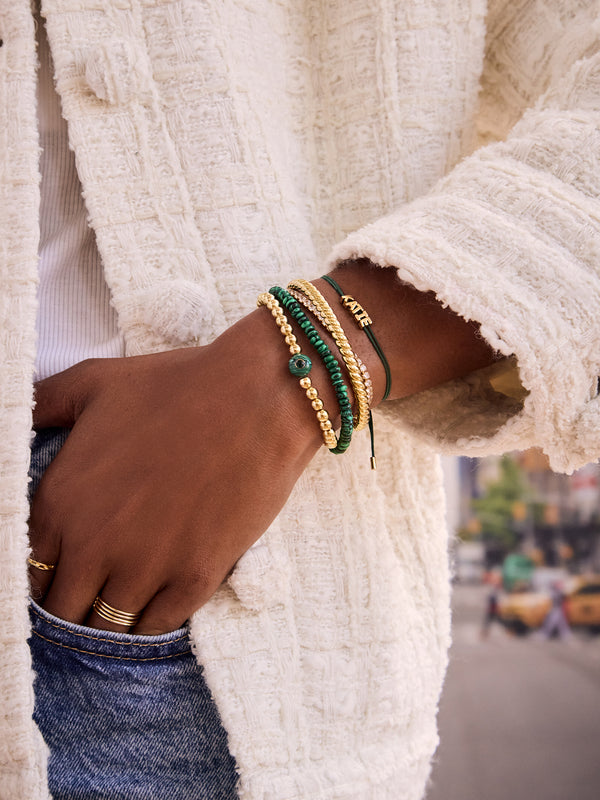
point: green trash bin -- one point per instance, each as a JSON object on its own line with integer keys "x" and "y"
{"x": 516, "y": 571}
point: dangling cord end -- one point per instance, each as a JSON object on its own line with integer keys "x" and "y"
{"x": 372, "y": 432}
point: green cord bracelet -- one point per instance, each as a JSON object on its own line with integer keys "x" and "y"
{"x": 331, "y": 364}
{"x": 365, "y": 323}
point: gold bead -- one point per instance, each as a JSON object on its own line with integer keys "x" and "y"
{"x": 312, "y": 393}
{"x": 281, "y": 320}
{"x": 326, "y": 425}
{"x": 295, "y": 349}
{"x": 275, "y": 310}
{"x": 317, "y": 404}
{"x": 322, "y": 415}
{"x": 305, "y": 383}
{"x": 286, "y": 328}
{"x": 290, "y": 339}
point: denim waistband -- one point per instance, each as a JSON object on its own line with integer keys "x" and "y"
{"x": 120, "y": 646}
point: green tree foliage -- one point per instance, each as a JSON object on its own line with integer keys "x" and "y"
{"x": 504, "y": 502}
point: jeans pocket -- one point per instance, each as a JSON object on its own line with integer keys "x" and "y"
{"x": 106, "y": 644}
{"x": 126, "y": 716}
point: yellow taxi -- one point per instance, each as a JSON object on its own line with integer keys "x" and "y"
{"x": 582, "y": 601}
{"x": 522, "y": 611}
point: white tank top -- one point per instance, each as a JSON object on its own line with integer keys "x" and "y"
{"x": 75, "y": 318}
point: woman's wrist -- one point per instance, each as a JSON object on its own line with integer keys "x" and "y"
{"x": 265, "y": 376}
{"x": 425, "y": 343}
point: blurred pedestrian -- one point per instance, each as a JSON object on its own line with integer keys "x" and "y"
{"x": 491, "y": 612}
{"x": 556, "y": 622}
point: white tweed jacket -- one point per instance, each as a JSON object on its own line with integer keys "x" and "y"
{"x": 224, "y": 145}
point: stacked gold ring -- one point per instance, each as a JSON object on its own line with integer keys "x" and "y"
{"x": 332, "y": 324}
{"x": 111, "y": 614}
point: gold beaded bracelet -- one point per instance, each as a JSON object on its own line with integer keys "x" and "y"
{"x": 332, "y": 324}
{"x": 300, "y": 367}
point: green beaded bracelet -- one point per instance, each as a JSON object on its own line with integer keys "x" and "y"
{"x": 331, "y": 364}
{"x": 300, "y": 366}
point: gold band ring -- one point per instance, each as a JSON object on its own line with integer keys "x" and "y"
{"x": 111, "y": 614}
{"x": 41, "y": 565}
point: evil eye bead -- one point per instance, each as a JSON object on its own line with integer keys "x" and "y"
{"x": 300, "y": 365}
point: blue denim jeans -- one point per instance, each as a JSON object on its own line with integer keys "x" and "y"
{"x": 125, "y": 717}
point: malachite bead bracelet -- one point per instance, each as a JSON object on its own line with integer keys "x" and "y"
{"x": 331, "y": 364}
{"x": 300, "y": 365}
{"x": 332, "y": 324}
{"x": 308, "y": 304}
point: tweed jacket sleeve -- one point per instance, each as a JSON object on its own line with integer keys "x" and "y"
{"x": 511, "y": 238}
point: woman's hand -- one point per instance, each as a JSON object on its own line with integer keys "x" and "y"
{"x": 176, "y": 464}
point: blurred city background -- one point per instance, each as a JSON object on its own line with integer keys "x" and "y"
{"x": 520, "y": 713}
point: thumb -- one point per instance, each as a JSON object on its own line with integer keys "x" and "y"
{"x": 61, "y": 398}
